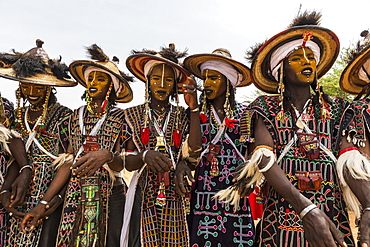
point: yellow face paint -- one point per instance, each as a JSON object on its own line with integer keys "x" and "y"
{"x": 34, "y": 93}
{"x": 98, "y": 84}
{"x": 302, "y": 63}
{"x": 161, "y": 81}
{"x": 214, "y": 83}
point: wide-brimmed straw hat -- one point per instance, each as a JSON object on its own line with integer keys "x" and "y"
{"x": 136, "y": 63}
{"x": 35, "y": 67}
{"x": 102, "y": 61}
{"x": 350, "y": 80}
{"x": 193, "y": 63}
{"x": 324, "y": 38}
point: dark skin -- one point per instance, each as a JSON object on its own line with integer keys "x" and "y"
{"x": 218, "y": 83}
{"x": 361, "y": 189}
{"x": 157, "y": 161}
{"x": 84, "y": 166}
{"x": 319, "y": 230}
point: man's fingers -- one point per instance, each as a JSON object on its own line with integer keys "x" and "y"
{"x": 189, "y": 175}
{"x": 337, "y": 235}
{"x": 80, "y": 161}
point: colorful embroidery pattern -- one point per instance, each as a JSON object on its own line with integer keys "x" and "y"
{"x": 85, "y": 221}
{"x": 43, "y": 171}
{"x": 213, "y": 223}
{"x": 160, "y": 226}
{"x": 280, "y": 222}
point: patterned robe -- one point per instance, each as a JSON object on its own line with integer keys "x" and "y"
{"x": 4, "y": 162}
{"x": 211, "y": 222}
{"x": 280, "y": 224}
{"x": 54, "y": 137}
{"x": 160, "y": 226}
{"x": 79, "y": 216}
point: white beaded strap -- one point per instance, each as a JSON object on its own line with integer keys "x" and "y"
{"x": 306, "y": 210}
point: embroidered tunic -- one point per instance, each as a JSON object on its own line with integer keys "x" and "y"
{"x": 85, "y": 214}
{"x": 160, "y": 226}
{"x": 357, "y": 121}
{"x": 211, "y": 222}
{"x": 280, "y": 224}
{"x": 54, "y": 137}
{"x": 4, "y": 162}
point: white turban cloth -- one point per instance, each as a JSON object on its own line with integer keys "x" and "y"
{"x": 151, "y": 63}
{"x": 224, "y": 68}
{"x": 362, "y": 73}
{"x": 116, "y": 84}
{"x": 285, "y": 50}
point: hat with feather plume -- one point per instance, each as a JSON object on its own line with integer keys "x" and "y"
{"x": 80, "y": 69}
{"x": 139, "y": 61}
{"x": 356, "y": 75}
{"x": 304, "y": 31}
{"x": 35, "y": 67}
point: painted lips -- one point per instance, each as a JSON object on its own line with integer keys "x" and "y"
{"x": 307, "y": 71}
{"x": 208, "y": 91}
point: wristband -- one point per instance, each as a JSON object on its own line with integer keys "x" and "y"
{"x": 347, "y": 149}
{"x": 306, "y": 210}
{"x": 195, "y": 109}
{"x": 111, "y": 160}
{"x": 143, "y": 155}
{"x": 26, "y": 166}
{"x": 4, "y": 191}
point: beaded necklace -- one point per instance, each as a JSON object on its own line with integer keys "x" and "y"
{"x": 90, "y": 105}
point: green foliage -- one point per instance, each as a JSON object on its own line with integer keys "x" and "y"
{"x": 330, "y": 81}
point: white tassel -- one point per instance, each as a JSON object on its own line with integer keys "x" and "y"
{"x": 358, "y": 167}
{"x": 7, "y": 134}
{"x": 248, "y": 169}
{"x": 62, "y": 158}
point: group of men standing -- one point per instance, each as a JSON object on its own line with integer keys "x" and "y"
{"x": 296, "y": 160}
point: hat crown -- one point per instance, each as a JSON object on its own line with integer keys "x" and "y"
{"x": 222, "y": 52}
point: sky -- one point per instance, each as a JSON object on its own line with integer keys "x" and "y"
{"x": 119, "y": 26}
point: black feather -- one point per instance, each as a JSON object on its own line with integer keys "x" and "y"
{"x": 29, "y": 65}
{"x": 306, "y": 18}
{"x": 172, "y": 54}
{"x": 252, "y": 52}
{"x": 7, "y": 59}
{"x": 359, "y": 47}
{"x": 115, "y": 59}
{"x": 96, "y": 53}
{"x": 59, "y": 70}
{"x": 152, "y": 52}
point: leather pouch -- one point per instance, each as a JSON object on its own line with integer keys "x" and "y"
{"x": 309, "y": 180}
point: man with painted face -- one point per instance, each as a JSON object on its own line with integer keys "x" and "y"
{"x": 211, "y": 222}
{"x": 353, "y": 161}
{"x": 42, "y": 125}
{"x": 293, "y": 140}
{"x": 159, "y": 132}
{"x": 93, "y": 208}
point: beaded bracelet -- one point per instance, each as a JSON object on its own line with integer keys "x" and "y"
{"x": 195, "y": 109}
{"x": 306, "y": 210}
{"x": 346, "y": 150}
{"x": 26, "y": 166}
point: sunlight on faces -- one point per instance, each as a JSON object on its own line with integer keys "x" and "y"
{"x": 34, "y": 93}
{"x": 161, "y": 81}
{"x": 214, "y": 83}
{"x": 98, "y": 84}
{"x": 301, "y": 66}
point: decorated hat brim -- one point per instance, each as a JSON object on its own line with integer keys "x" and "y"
{"x": 324, "y": 38}
{"x": 135, "y": 64}
{"x": 193, "y": 63}
{"x": 42, "y": 79}
{"x": 350, "y": 81}
{"x": 77, "y": 70}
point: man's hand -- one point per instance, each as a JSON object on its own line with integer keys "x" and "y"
{"x": 190, "y": 93}
{"x": 20, "y": 187}
{"x": 33, "y": 218}
{"x": 6, "y": 202}
{"x": 182, "y": 171}
{"x": 365, "y": 229}
{"x": 320, "y": 231}
{"x": 88, "y": 164}
{"x": 157, "y": 161}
